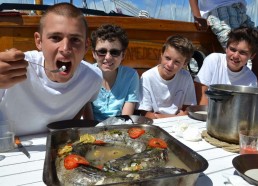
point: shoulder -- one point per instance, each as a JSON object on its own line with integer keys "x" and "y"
{"x": 250, "y": 73}
{"x": 127, "y": 70}
{"x": 184, "y": 73}
{"x": 151, "y": 72}
{"x": 90, "y": 69}
{"x": 217, "y": 56}
{"x": 214, "y": 59}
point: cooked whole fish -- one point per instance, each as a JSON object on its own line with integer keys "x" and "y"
{"x": 88, "y": 175}
{"x": 119, "y": 158}
{"x": 153, "y": 157}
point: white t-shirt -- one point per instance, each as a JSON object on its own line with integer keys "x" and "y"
{"x": 166, "y": 97}
{"x": 206, "y": 6}
{"x": 38, "y": 101}
{"x": 215, "y": 71}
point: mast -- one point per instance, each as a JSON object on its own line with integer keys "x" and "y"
{"x": 133, "y": 10}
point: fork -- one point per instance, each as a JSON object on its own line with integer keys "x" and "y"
{"x": 61, "y": 69}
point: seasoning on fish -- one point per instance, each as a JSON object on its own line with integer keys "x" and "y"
{"x": 154, "y": 157}
{"x": 135, "y": 132}
{"x": 87, "y": 138}
{"x": 99, "y": 142}
{"x": 157, "y": 143}
{"x": 72, "y": 161}
{"x": 66, "y": 149}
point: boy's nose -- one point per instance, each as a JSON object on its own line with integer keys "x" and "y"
{"x": 108, "y": 55}
{"x": 170, "y": 64}
{"x": 66, "y": 48}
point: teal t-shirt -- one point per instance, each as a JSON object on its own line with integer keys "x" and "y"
{"x": 109, "y": 103}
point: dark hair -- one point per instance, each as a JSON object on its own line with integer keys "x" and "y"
{"x": 66, "y": 10}
{"x": 111, "y": 33}
{"x": 247, "y": 34}
{"x": 181, "y": 44}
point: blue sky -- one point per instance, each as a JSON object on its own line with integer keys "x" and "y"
{"x": 163, "y": 9}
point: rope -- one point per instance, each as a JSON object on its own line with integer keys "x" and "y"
{"x": 221, "y": 144}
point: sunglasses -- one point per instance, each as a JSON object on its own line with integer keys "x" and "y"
{"x": 113, "y": 52}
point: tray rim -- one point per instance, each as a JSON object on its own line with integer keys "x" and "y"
{"x": 204, "y": 162}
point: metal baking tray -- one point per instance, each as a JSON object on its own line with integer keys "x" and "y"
{"x": 190, "y": 158}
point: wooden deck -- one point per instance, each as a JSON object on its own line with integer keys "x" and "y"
{"x": 146, "y": 36}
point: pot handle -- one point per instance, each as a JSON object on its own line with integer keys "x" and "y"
{"x": 218, "y": 96}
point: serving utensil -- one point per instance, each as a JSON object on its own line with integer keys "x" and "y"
{"x": 61, "y": 69}
{"x": 21, "y": 147}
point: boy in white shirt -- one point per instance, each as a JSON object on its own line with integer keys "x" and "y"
{"x": 167, "y": 89}
{"x": 229, "y": 68}
{"x": 222, "y": 16}
{"x": 32, "y": 96}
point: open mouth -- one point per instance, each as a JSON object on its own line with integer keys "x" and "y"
{"x": 108, "y": 63}
{"x": 67, "y": 65}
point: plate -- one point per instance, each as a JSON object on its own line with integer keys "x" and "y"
{"x": 198, "y": 112}
{"x": 245, "y": 162}
{"x": 66, "y": 124}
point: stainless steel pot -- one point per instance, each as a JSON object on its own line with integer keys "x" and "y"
{"x": 231, "y": 108}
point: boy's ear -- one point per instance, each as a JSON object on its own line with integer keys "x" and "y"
{"x": 94, "y": 55}
{"x": 37, "y": 39}
{"x": 123, "y": 55}
{"x": 253, "y": 56}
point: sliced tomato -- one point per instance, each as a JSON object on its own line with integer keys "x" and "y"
{"x": 135, "y": 132}
{"x": 100, "y": 167}
{"x": 157, "y": 143}
{"x": 73, "y": 160}
{"x": 99, "y": 142}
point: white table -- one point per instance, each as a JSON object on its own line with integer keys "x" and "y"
{"x": 17, "y": 169}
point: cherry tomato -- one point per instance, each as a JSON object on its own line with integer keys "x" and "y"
{"x": 135, "y": 132}
{"x": 99, "y": 142}
{"x": 100, "y": 167}
{"x": 72, "y": 161}
{"x": 157, "y": 143}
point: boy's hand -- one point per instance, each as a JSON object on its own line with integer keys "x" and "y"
{"x": 13, "y": 68}
{"x": 201, "y": 23}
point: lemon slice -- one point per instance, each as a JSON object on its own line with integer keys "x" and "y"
{"x": 65, "y": 149}
{"x": 87, "y": 138}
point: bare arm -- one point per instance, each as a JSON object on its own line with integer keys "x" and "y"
{"x": 195, "y": 8}
{"x": 200, "y": 93}
{"x": 13, "y": 68}
{"x": 128, "y": 108}
{"x": 154, "y": 115}
{"x": 200, "y": 22}
{"x": 181, "y": 112}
